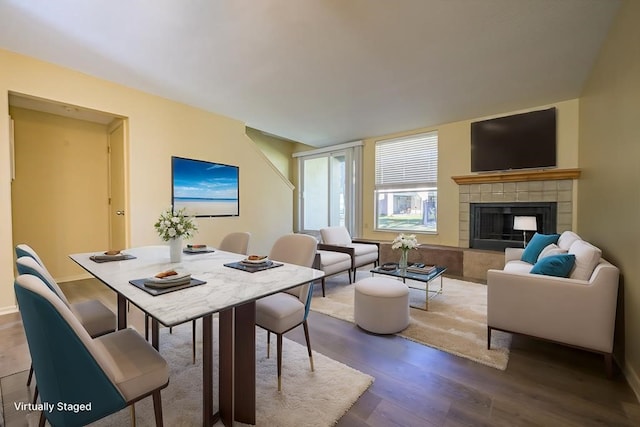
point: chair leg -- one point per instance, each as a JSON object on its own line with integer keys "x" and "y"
{"x": 146, "y": 327}
{"x": 279, "y": 336}
{"x": 306, "y": 337}
{"x": 488, "y": 337}
{"x": 42, "y": 420}
{"x": 132, "y": 411}
{"x": 35, "y": 395}
{"x": 349, "y": 273}
{"x": 157, "y": 407}
{"x": 268, "y": 344}
{"x": 193, "y": 334}
{"x": 321, "y": 281}
{"x": 31, "y": 368}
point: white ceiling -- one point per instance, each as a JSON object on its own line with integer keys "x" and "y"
{"x": 324, "y": 72}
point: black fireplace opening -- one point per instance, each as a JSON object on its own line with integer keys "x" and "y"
{"x": 491, "y": 224}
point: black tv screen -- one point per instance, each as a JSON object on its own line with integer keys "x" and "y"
{"x": 204, "y": 188}
{"x": 520, "y": 141}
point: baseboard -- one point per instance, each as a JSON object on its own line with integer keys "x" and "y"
{"x": 81, "y": 276}
{"x": 8, "y": 310}
{"x": 632, "y": 378}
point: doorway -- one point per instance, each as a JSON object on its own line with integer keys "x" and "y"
{"x": 64, "y": 180}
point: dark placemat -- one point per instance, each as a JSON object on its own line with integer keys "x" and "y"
{"x": 99, "y": 259}
{"x": 139, "y": 283}
{"x": 187, "y": 251}
{"x": 253, "y": 268}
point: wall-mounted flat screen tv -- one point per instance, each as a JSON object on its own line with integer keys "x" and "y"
{"x": 519, "y": 141}
{"x": 204, "y": 188}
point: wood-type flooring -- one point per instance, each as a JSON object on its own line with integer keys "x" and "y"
{"x": 544, "y": 384}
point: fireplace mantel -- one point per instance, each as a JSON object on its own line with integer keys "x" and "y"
{"x": 528, "y": 175}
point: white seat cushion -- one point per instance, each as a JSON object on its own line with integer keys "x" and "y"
{"x": 364, "y": 253}
{"x": 518, "y": 266}
{"x": 587, "y": 257}
{"x": 334, "y": 262}
{"x": 279, "y": 312}
{"x": 364, "y": 248}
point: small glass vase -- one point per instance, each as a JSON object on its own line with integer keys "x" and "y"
{"x": 404, "y": 259}
{"x": 175, "y": 249}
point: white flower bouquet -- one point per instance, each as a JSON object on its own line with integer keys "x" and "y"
{"x": 405, "y": 242}
{"x": 173, "y": 225}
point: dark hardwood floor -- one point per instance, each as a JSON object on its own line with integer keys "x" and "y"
{"x": 544, "y": 384}
{"x": 415, "y": 385}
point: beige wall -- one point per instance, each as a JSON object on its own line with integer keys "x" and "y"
{"x": 277, "y": 150}
{"x": 158, "y": 129}
{"x": 59, "y": 197}
{"x": 609, "y": 204}
{"x": 454, "y": 158}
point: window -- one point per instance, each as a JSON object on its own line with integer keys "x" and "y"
{"x": 406, "y": 188}
{"x": 329, "y": 189}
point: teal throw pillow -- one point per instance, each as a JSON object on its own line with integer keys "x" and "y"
{"x": 536, "y": 245}
{"x": 555, "y": 265}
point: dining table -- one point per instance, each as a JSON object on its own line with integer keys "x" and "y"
{"x": 229, "y": 292}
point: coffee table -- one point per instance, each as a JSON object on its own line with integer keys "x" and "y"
{"x": 427, "y": 279}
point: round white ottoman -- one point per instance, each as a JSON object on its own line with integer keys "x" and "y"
{"x": 381, "y": 305}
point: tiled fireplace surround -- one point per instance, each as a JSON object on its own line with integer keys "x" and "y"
{"x": 552, "y": 190}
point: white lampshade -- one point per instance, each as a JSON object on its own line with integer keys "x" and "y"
{"x": 527, "y": 223}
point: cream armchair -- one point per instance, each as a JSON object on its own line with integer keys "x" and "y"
{"x": 578, "y": 313}
{"x": 361, "y": 252}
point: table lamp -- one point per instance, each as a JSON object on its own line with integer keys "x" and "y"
{"x": 525, "y": 223}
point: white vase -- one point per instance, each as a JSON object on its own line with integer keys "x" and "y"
{"x": 175, "y": 249}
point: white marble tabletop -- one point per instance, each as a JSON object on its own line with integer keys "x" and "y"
{"x": 226, "y": 287}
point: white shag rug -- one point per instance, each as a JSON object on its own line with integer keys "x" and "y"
{"x": 318, "y": 398}
{"x": 456, "y": 321}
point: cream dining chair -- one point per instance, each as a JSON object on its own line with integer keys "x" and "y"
{"x": 281, "y": 312}
{"x": 237, "y": 242}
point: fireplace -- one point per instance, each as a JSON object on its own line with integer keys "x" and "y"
{"x": 491, "y": 224}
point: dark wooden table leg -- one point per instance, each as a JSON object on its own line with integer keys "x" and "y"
{"x": 245, "y": 363}
{"x": 225, "y": 354}
{"x": 122, "y": 312}
{"x": 208, "y": 417}
{"x": 155, "y": 334}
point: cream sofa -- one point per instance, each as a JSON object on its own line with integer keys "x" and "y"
{"x": 578, "y": 311}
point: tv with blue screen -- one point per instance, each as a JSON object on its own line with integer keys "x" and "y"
{"x": 203, "y": 188}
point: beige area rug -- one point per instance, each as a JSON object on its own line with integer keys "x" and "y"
{"x": 456, "y": 321}
{"x": 308, "y": 398}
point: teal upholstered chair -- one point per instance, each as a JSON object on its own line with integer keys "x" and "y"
{"x": 106, "y": 373}
{"x": 96, "y": 318}
{"x": 281, "y": 312}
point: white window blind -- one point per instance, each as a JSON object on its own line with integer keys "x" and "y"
{"x": 407, "y": 161}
